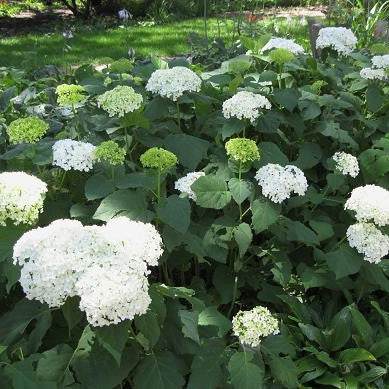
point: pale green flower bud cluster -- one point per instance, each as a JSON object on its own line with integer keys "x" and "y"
{"x": 110, "y": 152}
{"x": 281, "y": 56}
{"x": 120, "y": 100}
{"x": 158, "y": 158}
{"x": 122, "y": 65}
{"x": 251, "y": 326}
{"x": 27, "y": 130}
{"x": 242, "y": 150}
{"x": 70, "y": 94}
{"x": 21, "y": 198}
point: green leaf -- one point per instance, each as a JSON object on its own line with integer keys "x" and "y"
{"x": 309, "y": 156}
{"x": 71, "y": 312}
{"x": 189, "y": 322}
{"x": 122, "y": 200}
{"x": 265, "y": 213}
{"x": 232, "y": 126}
{"x": 243, "y": 236}
{"x": 374, "y": 97}
{"x": 298, "y": 232}
{"x": 15, "y": 322}
{"x": 271, "y": 153}
{"x": 362, "y": 326}
{"x": 352, "y": 355}
{"x": 113, "y": 338}
{"x": 339, "y": 330}
{"x": 343, "y": 261}
{"x": 287, "y": 98}
{"x": 284, "y": 371}
{"x": 9, "y": 235}
{"x": 223, "y": 279}
{"x": 175, "y": 212}
{"x": 212, "y": 317}
{"x": 206, "y": 372}
{"x": 160, "y": 370}
{"x": 98, "y": 186}
{"x": 372, "y": 375}
{"x": 380, "y": 348}
{"x": 244, "y": 373}
{"x": 189, "y": 149}
{"x": 137, "y": 180}
{"x": 53, "y": 363}
{"x": 211, "y": 192}
{"x": 148, "y": 325}
{"x": 240, "y": 189}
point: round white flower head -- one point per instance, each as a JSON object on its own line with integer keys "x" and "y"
{"x": 251, "y": 326}
{"x": 111, "y": 296}
{"x": 346, "y": 163}
{"x": 245, "y": 105}
{"x": 370, "y": 203}
{"x": 380, "y": 61}
{"x": 278, "y": 183}
{"x": 105, "y": 265}
{"x": 71, "y": 154}
{"x": 368, "y": 240}
{"x": 49, "y": 258}
{"x": 120, "y": 100}
{"x": 373, "y": 74}
{"x": 173, "y": 83}
{"x": 184, "y": 184}
{"x": 282, "y": 43}
{"x": 340, "y": 39}
{"x": 21, "y": 197}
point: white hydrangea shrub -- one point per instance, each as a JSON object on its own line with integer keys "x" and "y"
{"x": 346, "y": 163}
{"x": 71, "y": 154}
{"x": 173, "y": 83}
{"x": 21, "y": 197}
{"x": 278, "y": 182}
{"x": 368, "y": 240}
{"x": 282, "y": 43}
{"x": 245, "y": 105}
{"x": 184, "y": 184}
{"x": 373, "y": 74}
{"x": 380, "y": 61}
{"x": 251, "y": 326}
{"x": 340, "y": 39}
{"x": 105, "y": 265}
{"x": 370, "y": 204}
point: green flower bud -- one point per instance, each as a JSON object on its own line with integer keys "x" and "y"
{"x": 70, "y": 94}
{"x": 158, "y": 158}
{"x": 122, "y": 65}
{"x": 281, "y": 56}
{"x": 28, "y": 130}
{"x": 242, "y": 150}
{"x": 110, "y": 152}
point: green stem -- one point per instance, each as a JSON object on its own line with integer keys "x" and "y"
{"x": 113, "y": 174}
{"x": 339, "y": 243}
{"x": 62, "y": 181}
{"x": 234, "y": 293}
{"x": 244, "y": 213}
{"x": 178, "y": 115}
{"x": 125, "y": 139}
{"x": 158, "y": 193}
{"x": 240, "y": 204}
{"x": 166, "y": 273}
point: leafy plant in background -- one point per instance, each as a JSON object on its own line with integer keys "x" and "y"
{"x": 223, "y": 229}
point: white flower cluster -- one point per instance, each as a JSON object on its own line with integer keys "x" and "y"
{"x": 21, "y": 197}
{"x": 368, "y": 240}
{"x": 184, "y": 184}
{"x": 282, "y": 43}
{"x": 173, "y": 83}
{"x": 120, "y": 100}
{"x": 106, "y": 266}
{"x": 278, "y": 182}
{"x": 71, "y": 154}
{"x": 378, "y": 71}
{"x": 371, "y": 206}
{"x": 380, "y": 61}
{"x": 340, "y": 39}
{"x": 370, "y": 203}
{"x": 373, "y": 74}
{"x": 245, "y": 105}
{"x": 346, "y": 163}
{"x": 251, "y": 326}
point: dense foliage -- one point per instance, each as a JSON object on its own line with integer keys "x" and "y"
{"x": 250, "y": 208}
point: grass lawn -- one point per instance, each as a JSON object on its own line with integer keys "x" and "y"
{"x": 87, "y": 46}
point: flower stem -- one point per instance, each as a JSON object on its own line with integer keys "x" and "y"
{"x": 113, "y": 174}
{"x": 233, "y": 296}
{"x": 178, "y": 115}
{"x": 240, "y": 204}
{"x": 62, "y": 181}
{"x": 158, "y": 193}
